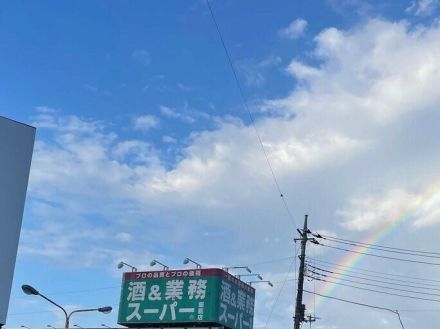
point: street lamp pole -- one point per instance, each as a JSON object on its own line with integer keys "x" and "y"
{"x": 237, "y": 267}
{"x": 100, "y": 309}
{"x": 154, "y": 262}
{"x": 254, "y": 274}
{"x": 264, "y": 281}
{"x": 189, "y": 260}
{"x": 29, "y": 290}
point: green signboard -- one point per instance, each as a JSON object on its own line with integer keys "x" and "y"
{"x": 198, "y": 297}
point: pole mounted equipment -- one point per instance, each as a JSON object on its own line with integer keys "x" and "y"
{"x": 300, "y": 307}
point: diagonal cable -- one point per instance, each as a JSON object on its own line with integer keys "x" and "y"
{"x": 251, "y": 117}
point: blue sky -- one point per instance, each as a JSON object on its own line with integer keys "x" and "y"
{"x": 144, "y": 149}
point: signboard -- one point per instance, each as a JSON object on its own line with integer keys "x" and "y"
{"x": 196, "y": 297}
{"x": 16, "y": 146}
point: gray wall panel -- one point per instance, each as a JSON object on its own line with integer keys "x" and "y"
{"x": 16, "y": 146}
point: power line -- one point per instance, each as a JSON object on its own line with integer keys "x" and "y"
{"x": 360, "y": 304}
{"x": 378, "y": 256}
{"x": 274, "y": 260}
{"x": 279, "y": 292}
{"x": 324, "y": 236}
{"x": 251, "y": 117}
{"x": 374, "y": 285}
{"x": 385, "y": 249}
{"x": 360, "y": 270}
{"x": 379, "y": 291}
{"x": 428, "y": 287}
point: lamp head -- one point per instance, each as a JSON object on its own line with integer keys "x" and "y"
{"x": 248, "y": 270}
{"x": 270, "y": 284}
{"x": 105, "y": 310}
{"x": 186, "y": 261}
{"x": 153, "y": 262}
{"x": 29, "y": 290}
{"x": 120, "y": 265}
{"x": 259, "y": 276}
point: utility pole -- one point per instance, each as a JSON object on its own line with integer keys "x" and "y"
{"x": 300, "y": 307}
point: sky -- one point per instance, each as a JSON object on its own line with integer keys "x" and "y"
{"x": 145, "y": 151}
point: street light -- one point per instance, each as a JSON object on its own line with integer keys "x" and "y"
{"x": 268, "y": 282}
{"x": 237, "y": 267}
{"x": 29, "y": 290}
{"x": 121, "y": 265}
{"x": 75, "y": 325}
{"x": 26, "y": 327}
{"x": 189, "y": 260}
{"x": 254, "y": 274}
{"x": 106, "y": 326}
{"x": 154, "y": 262}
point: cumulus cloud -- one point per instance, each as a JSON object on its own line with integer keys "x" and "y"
{"x": 254, "y": 72}
{"x": 356, "y": 73}
{"x": 423, "y": 7}
{"x": 295, "y": 29}
{"x": 183, "y": 113}
{"x": 376, "y": 211}
{"x": 173, "y": 113}
{"x": 142, "y": 56}
{"x": 146, "y": 122}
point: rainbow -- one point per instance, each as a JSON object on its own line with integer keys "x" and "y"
{"x": 424, "y": 201}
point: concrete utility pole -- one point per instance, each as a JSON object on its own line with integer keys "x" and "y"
{"x": 300, "y": 307}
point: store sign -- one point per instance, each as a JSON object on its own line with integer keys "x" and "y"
{"x": 197, "y": 296}
{"x": 16, "y": 146}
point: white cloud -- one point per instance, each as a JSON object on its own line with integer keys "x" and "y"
{"x": 91, "y": 88}
{"x": 357, "y": 79}
{"x": 254, "y": 71}
{"x": 183, "y": 113}
{"x": 423, "y": 7}
{"x": 295, "y": 29}
{"x": 124, "y": 237}
{"x": 332, "y": 118}
{"x": 168, "y": 139}
{"x": 142, "y": 56}
{"x": 302, "y": 71}
{"x": 146, "y": 122}
{"x": 380, "y": 210}
{"x": 184, "y": 87}
{"x": 175, "y": 114}
{"x": 376, "y": 211}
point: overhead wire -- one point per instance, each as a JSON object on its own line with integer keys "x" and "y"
{"x": 427, "y": 287}
{"x": 373, "y": 285}
{"x": 279, "y": 293}
{"x": 378, "y": 256}
{"x": 251, "y": 117}
{"x": 380, "y": 292}
{"x": 360, "y": 304}
{"x": 390, "y": 250}
{"x": 360, "y": 270}
{"x": 329, "y": 237}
